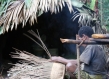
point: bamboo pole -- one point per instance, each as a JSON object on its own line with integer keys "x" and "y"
{"x": 78, "y": 58}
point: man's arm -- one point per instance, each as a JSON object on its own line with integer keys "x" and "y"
{"x": 63, "y": 60}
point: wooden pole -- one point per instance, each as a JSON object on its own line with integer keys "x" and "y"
{"x": 102, "y": 36}
{"x": 78, "y": 58}
{"x": 93, "y": 41}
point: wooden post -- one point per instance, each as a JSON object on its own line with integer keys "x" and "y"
{"x": 78, "y": 58}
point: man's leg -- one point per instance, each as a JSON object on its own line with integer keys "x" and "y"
{"x": 97, "y": 77}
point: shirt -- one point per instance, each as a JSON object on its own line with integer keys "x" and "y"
{"x": 94, "y": 60}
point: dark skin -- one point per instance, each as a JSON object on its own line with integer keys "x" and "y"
{"x": 71, "y": 64}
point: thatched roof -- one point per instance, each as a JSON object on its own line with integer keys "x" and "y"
{"x": 22, "y": 11}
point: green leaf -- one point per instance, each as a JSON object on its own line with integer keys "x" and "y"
{"x": 76, "y": 3}
{"x": 39, "y": 13}
{"x": 92, "y": 4}
{"x": 28, "y": 3}
{"x": 3, "y": 6}
{"x": 1, "y": 30}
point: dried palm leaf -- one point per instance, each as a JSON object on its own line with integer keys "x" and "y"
{"x": 84, "y": 18}
{"x": 42, "y": 45}
{"x": 1, "y": 77}
{"x": 33, "y": 67}
{"x": 21, "y": 11}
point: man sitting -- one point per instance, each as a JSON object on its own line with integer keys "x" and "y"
{"x": 93, "y": 59}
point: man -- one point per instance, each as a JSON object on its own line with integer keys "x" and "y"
{"x": 93, "y": 59}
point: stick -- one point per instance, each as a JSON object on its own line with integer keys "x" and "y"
{"x": 78, "y": 59}
{"x": 102, "y": 36}
{"x": 93, "y": 41}
{"x": 99, "y": 40}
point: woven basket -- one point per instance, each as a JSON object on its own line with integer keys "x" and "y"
{"x": 58, "y": 71}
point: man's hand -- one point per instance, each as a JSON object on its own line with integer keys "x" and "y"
{"x": 59, "y": 59}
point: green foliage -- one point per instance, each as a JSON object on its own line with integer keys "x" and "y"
{"x": 2, "y": 1}
{"x": 105, "y": 12}
{"x": 1, "y": 30}
{"x": 4, "y": 4}
{"x": 28, "y": 3}
{"x": 92, "y": 4}
{"x": 76, "y": 3}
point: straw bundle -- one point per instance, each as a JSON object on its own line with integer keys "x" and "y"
{"x": 33, "y": 67}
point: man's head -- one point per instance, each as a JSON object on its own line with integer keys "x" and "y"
{"x": 85, "y": 32}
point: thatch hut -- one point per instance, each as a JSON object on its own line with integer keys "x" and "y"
{"x": 19, "y": 16}
{"x": 16, "y": 14}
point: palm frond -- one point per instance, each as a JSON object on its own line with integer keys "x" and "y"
{"x": 84, "y": 16}
{"x": 30, "y": 67}
{"x": 33, "y": 67}
{"x": 42, "y": 45}
{"x": 21, "y": 11}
